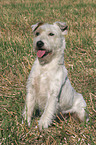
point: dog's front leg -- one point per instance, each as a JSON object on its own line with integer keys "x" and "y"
{"x": 29, "y": 107}
{"x": 49, "y": 112}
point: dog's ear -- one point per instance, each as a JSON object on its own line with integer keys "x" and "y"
{"x": 63, "y": 26}
{"x": 35, "y": 26}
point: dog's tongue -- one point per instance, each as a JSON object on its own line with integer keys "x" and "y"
{"x": 40, "y": 53}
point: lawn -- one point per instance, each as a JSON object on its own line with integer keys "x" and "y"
{"x": 17, "y": 57}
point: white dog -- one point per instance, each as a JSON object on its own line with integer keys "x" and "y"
{"x": 48, "y": 85}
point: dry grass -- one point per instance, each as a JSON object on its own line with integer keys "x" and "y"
{"x": 17, "y": 57}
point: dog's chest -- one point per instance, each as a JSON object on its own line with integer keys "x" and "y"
{"x": 41, "y": 86}
{"x": 41, "y": 83}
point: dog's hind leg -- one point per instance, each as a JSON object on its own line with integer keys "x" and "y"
{"x": 79, "y": 106}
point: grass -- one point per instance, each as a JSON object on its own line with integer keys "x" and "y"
{"x": 17, "y": 57}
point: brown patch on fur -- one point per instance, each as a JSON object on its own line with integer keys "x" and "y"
{"x": 39, "y": 24}
{"x": 36, "y": 87}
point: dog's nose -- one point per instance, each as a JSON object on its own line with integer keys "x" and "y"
{"x": 40, "y": 44}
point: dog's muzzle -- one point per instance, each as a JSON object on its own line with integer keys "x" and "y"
{"x": 41, "y": 51}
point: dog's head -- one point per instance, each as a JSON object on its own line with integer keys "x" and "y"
{"x": 48, "y": 40}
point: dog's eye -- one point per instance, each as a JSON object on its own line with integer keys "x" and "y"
{"x": 51, "y": 34}
{"x": 37, "y": 34}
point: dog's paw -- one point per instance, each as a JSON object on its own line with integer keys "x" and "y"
{"x": 28, "y": 122}
{"x": 43, "y": 123}
{"x": 26, "y": 119}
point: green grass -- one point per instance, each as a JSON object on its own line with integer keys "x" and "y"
{"x": 17, "y": 57}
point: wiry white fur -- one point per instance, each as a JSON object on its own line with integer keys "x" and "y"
{"x": 48, "y": 77}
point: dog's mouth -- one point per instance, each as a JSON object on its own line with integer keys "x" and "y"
{"x": 41, "y": 53}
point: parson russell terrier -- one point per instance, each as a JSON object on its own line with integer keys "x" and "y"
{"x": 48, "y": 86}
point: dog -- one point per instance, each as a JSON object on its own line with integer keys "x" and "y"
{"x": 48, "y": 86}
